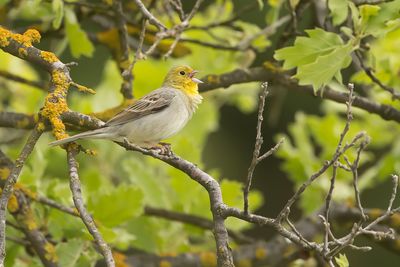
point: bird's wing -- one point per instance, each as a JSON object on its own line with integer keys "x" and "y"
{"x": 151, "y": 103}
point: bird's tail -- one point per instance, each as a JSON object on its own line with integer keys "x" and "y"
{"x": 95, "y": 134}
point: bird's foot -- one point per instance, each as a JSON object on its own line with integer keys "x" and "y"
{"x": 163, "y": 149}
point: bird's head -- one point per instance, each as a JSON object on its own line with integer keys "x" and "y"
{"x": 182, "y": 78}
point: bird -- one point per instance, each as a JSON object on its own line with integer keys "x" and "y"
{"x": 154, "y": 117}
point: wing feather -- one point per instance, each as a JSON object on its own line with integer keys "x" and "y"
{"x": 153, "y": 102}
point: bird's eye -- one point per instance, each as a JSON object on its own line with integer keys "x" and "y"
{"x": 182, "y": 72}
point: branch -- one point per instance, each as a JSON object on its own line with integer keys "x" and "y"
{"x": 153, "y": 20}
{"x": 257, "y": 147}
{"x": 38, "y": 84}
{"x": 75, "y": 186}
{"x": 193, "y": 220}
{"x": 9, "y": 184}
{"x": 224, "y": 253}
{"x": 272, "y": 73}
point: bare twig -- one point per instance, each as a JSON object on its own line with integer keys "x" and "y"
{"x": 371, "y": 75}
{"x": 257, "y": 147}
{"x": 75, "y": 186}
{"x": 10, "y": 182}
{"x": 153, "y": 20}
{"x": 38, "y": 84}
{"x": 126, "y": 87}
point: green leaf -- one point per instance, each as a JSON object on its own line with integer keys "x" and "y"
{"x": 325, "y": 68}
{"x": 58, "y": 9}
{"x": 69, "y": 252}
{"x": 117, "y": 206}
{"x": 79, "y": 43}
{"x": 307, "y": 49}
{"x": 342, "y": 260}
{"x": 367, "y": 11}
{"x": 339, "y": 10}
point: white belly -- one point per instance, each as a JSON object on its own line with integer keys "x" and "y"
{"x": 151, "y": 129}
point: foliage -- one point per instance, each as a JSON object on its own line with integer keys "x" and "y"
{"x": 117, "y": 185}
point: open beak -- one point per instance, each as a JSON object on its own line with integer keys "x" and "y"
{"x": 191, "y": 76}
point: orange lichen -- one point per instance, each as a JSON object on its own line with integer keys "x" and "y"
{"x": 49, "y": 56}
{"x": 165, "y": 263}
{"x": 50, "y": 252}
{"x": 26, "y": 39}
{"x": 12, "y": 204}
{"x": 56, "y": 103}
{"x": 260, "y": 253}
{"x": 4, "y": 35}
{"x": 33, "y": 35}
{"x": 120, "y": 259}
{"x": 208, "y": 259}
{"x": 4, "y": 172}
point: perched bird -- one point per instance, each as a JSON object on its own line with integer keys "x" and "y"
{"x": 154, "y": 117}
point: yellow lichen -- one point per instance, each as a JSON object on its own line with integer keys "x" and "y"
{"x": 50, "y": 252}
{"x": 260, "y": 253}
{"x": 165, "y": 263}
{"x": 26, "y": 39}
{"x": 4, "y": 36}
{"x": 4, "y": 172}
{"x": 33, "y": 35}
{"x": 374, "y": 213}
{"x": 213, "y": 79}
{"x": 84, "y": 89}
{"x": 56, "y": 104}
{"x": 13, "y": 205}
{"x": 29, "y": 221}
{"x": 41, "y": 126}
{"x": 120, "y": 259}
{"x": 22, "y": 52}
{"x": 29, "y": 193}
{"x": 208, "y": 259}
{"x": 49, "y": 56}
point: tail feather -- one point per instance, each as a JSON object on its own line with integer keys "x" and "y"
{"x": 99, "y": 133}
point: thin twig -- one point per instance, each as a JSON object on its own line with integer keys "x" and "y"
{"x": 126, "y": 87}
{"x": 153, "y": 20}
{"x": 371, "y": 75}
{"x": 257, "y": 146}
{"x": 38, "y": 84}
{"x": 75, "y": 186}
{"x": 10, "y": 182}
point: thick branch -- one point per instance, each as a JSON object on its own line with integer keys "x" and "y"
{"x": 275, "y": 75}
